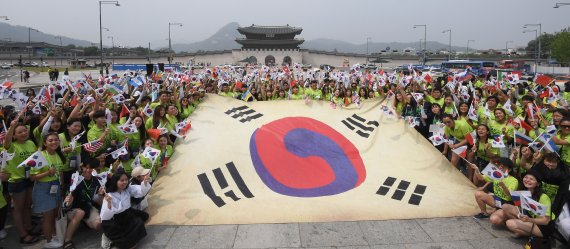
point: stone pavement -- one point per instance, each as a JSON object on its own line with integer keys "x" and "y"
{"x": 457, "y": 232}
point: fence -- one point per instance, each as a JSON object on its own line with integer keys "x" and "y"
{"x": 552, "y": 70}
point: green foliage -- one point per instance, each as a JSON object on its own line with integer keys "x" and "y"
{"x": 91, "y": 51}
{"x": 561, "y": 48}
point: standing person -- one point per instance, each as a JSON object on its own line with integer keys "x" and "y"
{"x": 47, "y": 193}
{"x": 55, "y": 74}
{"x": 123, "y": 225}
{"x": 26, "y": 76}
{"x": 19, "y": 184}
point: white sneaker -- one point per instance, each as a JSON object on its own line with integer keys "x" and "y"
{"x": 54, "y": 243}
{"x": 105, "y": 242}
{"x": 3, "y": 234}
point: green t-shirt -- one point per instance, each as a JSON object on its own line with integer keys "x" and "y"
{"x": 459, "y": 131}
{"x": 75, "y": 152}
{"x": 297, "y": 96}
{"x": 21, "y": 152}
{"x": 315, "y": 94}
{"x": 483, "y": 119}
{"x": 565, "y": 150}
{"x": 94, "y": 134}
{"x": 481, "y": 150}
{"x": 432, "y": 100}
{"x": 228, "y": 94}
{"x": 53, "y": 161}
{"x": 511, "y": 183}
{"x": 496, "y": 129}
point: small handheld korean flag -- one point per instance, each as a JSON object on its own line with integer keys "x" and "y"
{"x": 76, "y": 178}
{"x": 498, "y": 142}
{"x": 73, "y": 142}
{"x": 108, "y": 117}
{"x": 36, "y": 160}
{"x": 102, "y": 178}
{"x": 119, "y": 152}
{"x": 128, "y": 129}
{"x": 5, "y": 157}
{"x": 119, "y": 99}
{"x": 533, "y": 206}
{"x": 493, "y": 172}
{"x": 437, "y": 139}
{"x": 147, "y": 111}
{"x": 151, "y": 153}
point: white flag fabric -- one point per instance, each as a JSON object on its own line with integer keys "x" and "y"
{"x": 36, "y": 160}
{"x": 493, "y": 172}
{"x": 151, "y": 153}
{"x": 76, "y": 178}
{"x": 533, "y": 206}
{"x": 129, "y": 128}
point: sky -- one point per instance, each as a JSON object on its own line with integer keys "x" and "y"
{"x": 490, "y": 23}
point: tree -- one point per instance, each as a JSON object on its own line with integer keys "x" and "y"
{"x": 91, "y": 51}
{"x": 545, "y": 40}
{"x": 560, "y": 48}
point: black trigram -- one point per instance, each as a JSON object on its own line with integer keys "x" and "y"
{"x": 243, "y": 113}
{"x": 416, "y": 197}
{"x": 221, "y": 179}
{"x": 364, "y": 128}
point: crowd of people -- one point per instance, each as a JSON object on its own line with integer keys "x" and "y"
{"x": 87, "y": 151}
{"x": 87, "y": 127}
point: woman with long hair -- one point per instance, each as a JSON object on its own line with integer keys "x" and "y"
{"x": 529, "y": 223}
{"x": 72, "y": 154}
{"x": 17, "y": 141}
{"x": 46, "y": 195}
{"x": 123, "y": 225}
{"x": 158, "y": 118}
{"x": 482, "y": 153}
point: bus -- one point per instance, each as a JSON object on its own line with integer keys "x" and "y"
{"x": 477, "y": 67}
{"x": 515, "y": 65}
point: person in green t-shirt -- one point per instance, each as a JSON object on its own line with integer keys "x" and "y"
{"x": 456, "y": 130}
{"x": 19, "y": 186}
{"x": 529, "y": 223}
{"x": 295, "y": 94}
{"x": 501, "y": 188}
{"x": 47, "y": 192}
{"x": 99, "y": 131}
{"x": 563, "y": 139}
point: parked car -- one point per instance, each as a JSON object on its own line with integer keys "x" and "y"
{"x": 6, "y": 66}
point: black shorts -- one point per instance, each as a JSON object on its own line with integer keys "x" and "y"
{"x": 19, "y": 186}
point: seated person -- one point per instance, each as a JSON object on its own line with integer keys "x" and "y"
{"x": 501, "y": 189}
{"x": 123, "y": 225}
{"x": 137, "y": 177}
{"x": 84, "y": 202}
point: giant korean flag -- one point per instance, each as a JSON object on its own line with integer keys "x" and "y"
{"x": 296, "y": 161}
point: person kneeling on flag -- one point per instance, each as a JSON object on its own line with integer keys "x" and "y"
{"x": 535, "y": 218}
{"x": 503, "y": 184}
{"x": 123, "y": 225}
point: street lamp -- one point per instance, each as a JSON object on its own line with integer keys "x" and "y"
{"x": 560, "y": 4}
{"x": 116, "y": 3}
{"x": 535, "y": 38}
{"x": 425, "y": 39}
{"x": 112, "y": 48}
{"x": 468, "y": 45}
{"x": 367, "y": 41}
{"x": 507, "y": 46}
{"x": 446, "y": 31}
{"x": 540, "y": 33}
{"x": 170, "y": 41}
{"x": 30, "y": 44}
{"x": 4, "y": 17}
